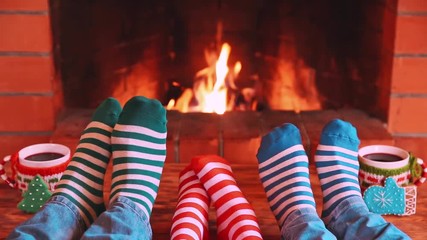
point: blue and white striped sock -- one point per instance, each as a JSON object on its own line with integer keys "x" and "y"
{"x": 337, "y": 165}
{"x": 283, "y": 170}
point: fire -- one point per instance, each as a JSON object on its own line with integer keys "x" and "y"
{"x": 211, "y": 87}
{"x": 293, "y": 87}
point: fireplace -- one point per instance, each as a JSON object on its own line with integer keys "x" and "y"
{"x": 366, "y": 56}
{"x": 296, "y": 55}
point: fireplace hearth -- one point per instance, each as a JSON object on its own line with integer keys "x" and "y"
{"x": 367, "y": 58}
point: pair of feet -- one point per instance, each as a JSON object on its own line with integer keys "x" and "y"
{"x": 284, "y": 173}
{"x": 135, "y": 138}
{"x": 210, "y": 178}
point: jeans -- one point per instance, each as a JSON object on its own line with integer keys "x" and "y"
{"x": 60, "y": 219}
{"x": 351, "y": 219}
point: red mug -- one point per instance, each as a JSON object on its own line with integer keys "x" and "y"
{"x": 49, "y": 160}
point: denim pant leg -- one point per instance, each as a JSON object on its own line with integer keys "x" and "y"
{"x": 351, "y": 219}
{"x": 122, "y": 220}
{"x": 305, "y": 224}
{"x": 57, "y": 219}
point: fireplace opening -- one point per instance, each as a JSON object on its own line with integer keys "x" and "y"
{"x": 293, "y": 54}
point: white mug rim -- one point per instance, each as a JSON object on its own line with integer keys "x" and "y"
{"x": 43, "y": 147}
{"x": 386, "y": 149}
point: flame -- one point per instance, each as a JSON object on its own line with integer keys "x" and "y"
{"x": 211, "y": 86}
{"x": 294, "y": 88}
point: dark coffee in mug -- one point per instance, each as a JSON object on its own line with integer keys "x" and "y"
{"x": 44, "y": 156}
{"x": 383, "y": 157}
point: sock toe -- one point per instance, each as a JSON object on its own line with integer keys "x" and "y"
{"x": 107, "y": 112}
{"x": 143, "y": 111}
{"x": 278, "y": 139}
{"x": 340, "y": 133}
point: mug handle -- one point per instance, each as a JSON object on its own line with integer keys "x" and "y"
{"x": 8, "y": 180}
{"x": 423, "y": 175}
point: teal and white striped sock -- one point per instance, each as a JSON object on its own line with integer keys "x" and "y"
{"x": 283, "y": 170}
{"x": 337, "y": 165}
{"x": 139, "y": 152}
{"x": 82, "y": 182}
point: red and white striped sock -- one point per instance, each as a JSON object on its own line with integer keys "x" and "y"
{"x": 235, "y": 217}
{"x": 190, "y": 220}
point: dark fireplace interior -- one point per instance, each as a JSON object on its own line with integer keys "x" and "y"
{"x": 331, "y": 51}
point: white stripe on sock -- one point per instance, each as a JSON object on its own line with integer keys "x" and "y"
{"x": 329, "y": 158}
{"x": 336, "y": 149}
{"x": 217, "y": 179}
{"x": 147, "y": 178}
{"x": 98, "y": 136}
{"x": 140, "y": 130}
{"x": 83, "y": 179}
{"x": 236, "y": 214}
{"x": 100, "y": 125}
{"x": 194, "y": 210}
{"x": 134, "y": 154}
{"x": 194, "y": 190}
{"x": 185, "y": 231}
{"x": 243, "y": 223}
{"x": 284, "y": 174}
{"x": 189, "y": 220}
{"x": 135, "y": 187}
{"x": 336, "y": 177}
{"x": 287, "y": 192}
{"x": 138, "y": 143}
{"x": 225, "y": 190}
{"x": 281, "y": 154}
{"x": 212, "y": 165}
{"x": 339, "y": 196}
{"x": 193, "y": 200}
{"x": 322, "y": 170}
{"x": 282, "y": 165}
{"x": 245, "y": 234}
{"x": 229, "y": 204}
{"x": 138, "y": 166}
{"x": 94, "y": 148}
{"x": 327, "y": 191}
{"x": 95, "y": 199}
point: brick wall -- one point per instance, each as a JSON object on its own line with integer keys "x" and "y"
{"x": 29, "y": 95}
{"x": 407, "y": 120}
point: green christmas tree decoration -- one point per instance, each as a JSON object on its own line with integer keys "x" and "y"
{"x": 36, "y": 195}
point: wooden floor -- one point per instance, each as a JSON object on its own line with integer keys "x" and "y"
{"x": 247, "y": 178}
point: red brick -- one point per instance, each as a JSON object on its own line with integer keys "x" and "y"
{"x": 407, "y": 115}
{"x": 241, "y": 151}
{"x": 415, "y": 145}
{"x": 25, "y": 33}
{"x": 412, "y": 5}
{"x": 411, "y": 33}
{"x": 199, "y": 126}
{"x": 409, "y": 75}
{"x": 188, "y": 148}
{"x": 369, "y": 130}
{"x": 35, "y": 5}
{"x": 26, "y": 113}
{"x": 12, "y": 143}
{"x": 313, "y": 123}
{"x": 240, "y": 125}
{"x": 26, "y": 74}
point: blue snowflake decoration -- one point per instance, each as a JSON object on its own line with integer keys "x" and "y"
{"x": 389, "y": 199}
